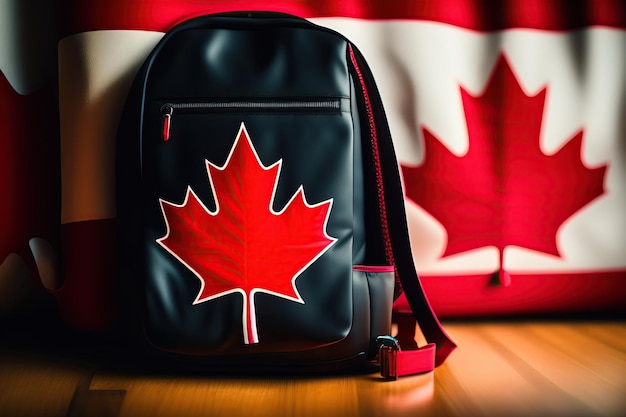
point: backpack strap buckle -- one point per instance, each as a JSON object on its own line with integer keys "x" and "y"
{"x": 388, "y": 348}
{"x": 395, "y": 362}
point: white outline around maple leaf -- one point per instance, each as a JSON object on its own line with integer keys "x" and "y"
{"x": 300, "y": 190}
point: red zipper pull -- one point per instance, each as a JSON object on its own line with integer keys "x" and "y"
{"x": 167, "y": 111}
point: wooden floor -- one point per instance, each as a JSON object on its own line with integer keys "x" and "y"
{"x": 522, "y": 368}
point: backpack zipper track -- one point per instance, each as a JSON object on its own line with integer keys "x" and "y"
{"x": 167, "y": 109}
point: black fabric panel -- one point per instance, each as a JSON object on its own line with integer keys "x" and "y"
{"x": 250, "y": 63}
{"x": 381, "y": 289}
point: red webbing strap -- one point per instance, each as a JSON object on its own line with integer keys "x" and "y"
{"x": 397, "y": 363}
{"x": 416, "y": 361}
{"x": 401, "y": 356}
{"x": 395, "y": 232}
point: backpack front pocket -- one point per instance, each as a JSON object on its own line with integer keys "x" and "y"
{"x": 250, "y": 237}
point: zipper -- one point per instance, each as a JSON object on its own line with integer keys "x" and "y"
{"x": 373, "y": 268}
{"x": 382, "y": 205}
{"x": 318, "y": 105}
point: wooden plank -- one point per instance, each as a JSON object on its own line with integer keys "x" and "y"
{"x": 573, "y": 369}
{"x": 184, "y": 396}
{"x": 407, "y": 397}
{"x": 583, "y": 367}
{"x": 32, "y": 386}
{"x": 612, "y": 334}
{"x": 95, "y": 403}
{"x": 482, "y": 379}
{"x": 363, "y": 395}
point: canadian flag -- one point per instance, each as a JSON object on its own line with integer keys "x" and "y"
{"x": 507, "y": 120}
{"x": 510, "y": 133}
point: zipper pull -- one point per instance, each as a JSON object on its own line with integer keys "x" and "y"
{"x": 167, "y": 111}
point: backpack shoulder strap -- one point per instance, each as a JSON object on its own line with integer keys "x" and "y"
{"x": 394, "y": 228}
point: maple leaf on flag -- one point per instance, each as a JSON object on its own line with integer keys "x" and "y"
{"x": 245, "y": 246}
{"x": 505, "y": 190}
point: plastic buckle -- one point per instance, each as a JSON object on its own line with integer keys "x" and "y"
{"x": 388, "y": 348}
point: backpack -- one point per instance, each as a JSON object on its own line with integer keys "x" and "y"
{"x": 260, "y": 209}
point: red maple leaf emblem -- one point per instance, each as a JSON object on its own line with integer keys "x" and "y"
{"x": 245, "y": 246}
{"x": 505, "y": 190}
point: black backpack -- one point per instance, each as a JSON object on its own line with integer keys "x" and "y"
{"x": 260, "y": 208}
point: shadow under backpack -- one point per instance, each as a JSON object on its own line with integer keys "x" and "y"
{"x": 260, "y": 209}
